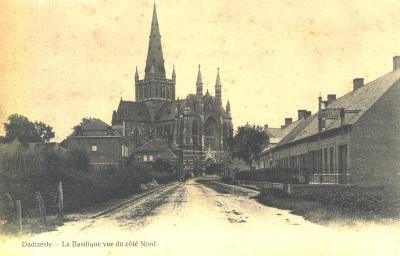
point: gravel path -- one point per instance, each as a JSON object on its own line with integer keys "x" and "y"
{"x": 206, "y": 217}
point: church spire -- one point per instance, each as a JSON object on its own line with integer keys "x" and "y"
{"x": 136, "y": 75}
{"x": 199, "y": 83}
{"x": 218, "y": 87}
{"x": 155, "y": 55}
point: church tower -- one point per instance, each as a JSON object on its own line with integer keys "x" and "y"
{"x": 155, "y": 85}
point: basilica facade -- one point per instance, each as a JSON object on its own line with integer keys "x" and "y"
{"x": 199, "y": 125}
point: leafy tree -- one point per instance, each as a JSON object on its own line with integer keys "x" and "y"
{"x": 45, "y": 132}
{"x": 19, "y": 126}
{"x": 248, "y": 142}
{"x": 84, "y": 121}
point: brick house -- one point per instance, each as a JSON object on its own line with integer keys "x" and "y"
{"x": 157, "y": 149}
{"x": 104, "y": 146}
{"x": 351, "y": 140}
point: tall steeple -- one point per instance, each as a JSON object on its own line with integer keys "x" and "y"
{"x": 218, "y": 87}
{"x": 199, "y": 84}
{"x": 155, "y": 59}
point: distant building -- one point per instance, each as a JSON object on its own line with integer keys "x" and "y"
{"x": 351, "y": 140}
{"x": 193, "y": 124}
{"x": 157, "y": 149}
{"x": 105, "y": 146}
{"x": 275, "y": 135}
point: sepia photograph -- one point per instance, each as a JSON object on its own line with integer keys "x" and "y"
{"x": 171, "y": 127}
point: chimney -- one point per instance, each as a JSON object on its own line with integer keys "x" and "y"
{"x": 307, "y": 114}
{"x": 265, "y": 127}
{"x": 288, "y": 121}
{"x": 342, "y": 116}
{"x": 358, "y": 83}
{"x": 331, "y": 97}
{"x": 301, "y": 113}
{"x": 396, "y": 62}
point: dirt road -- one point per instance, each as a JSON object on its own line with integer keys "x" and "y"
{"x": 206, "y": 218}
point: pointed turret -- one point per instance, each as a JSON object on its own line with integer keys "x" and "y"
{"x": 155, "y": 57}
{"x": 199, "y": 83}
{"x": 218, "y": 87}
{"x": 173, "y": 74}
{"x": 228, "y": 107}
{"x": 136, "y": 75}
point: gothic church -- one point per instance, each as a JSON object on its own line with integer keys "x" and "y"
{"x": 198, "y": 125}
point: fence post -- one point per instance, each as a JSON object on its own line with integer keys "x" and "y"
{"x": 60, "y": 203}
{"x": 10, "y": 211}
{"x": 19, "y": 217}
{"x": 42, "y": 208}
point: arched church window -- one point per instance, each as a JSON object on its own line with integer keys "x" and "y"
{"x": 210, "y": 132}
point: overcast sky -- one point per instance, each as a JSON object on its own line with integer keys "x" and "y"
{"x": 64, "y": 60}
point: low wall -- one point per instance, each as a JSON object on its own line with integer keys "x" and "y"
{"x": 264, "y": 185}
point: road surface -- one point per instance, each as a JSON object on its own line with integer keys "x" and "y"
{"x": 204, "y": 217}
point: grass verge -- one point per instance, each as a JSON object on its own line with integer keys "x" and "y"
{"x": 318, "y": 212}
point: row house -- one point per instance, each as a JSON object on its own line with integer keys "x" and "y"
{"x": 353, "y": 139}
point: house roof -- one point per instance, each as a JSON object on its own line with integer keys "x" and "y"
{"x": 167, "y": 154}
{"x": 298, "y": 129}
{"x": 355, "y": 103}
{"x": 94, "y": 127}
{"x": 163, "y": 150}
{"x": 274, "y": 132}
{"x": 275, "y": 135}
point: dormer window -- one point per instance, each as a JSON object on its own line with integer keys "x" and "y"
{"x": 94, "y": 147}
